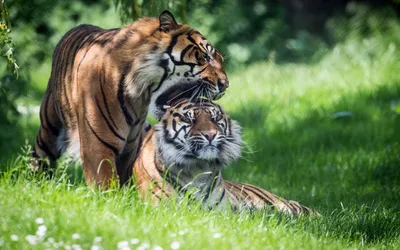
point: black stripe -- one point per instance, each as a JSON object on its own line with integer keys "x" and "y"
{"x": 165, "y": 75}
{"x": 77, "y": 44}
{"x": 221, "y": 198}
{"x": 262, "y": 195}
{"x": 147, "y": 127}
{"x": 158, "y": 197}
{"x": 135, "y": 138}
{"x": 138, "y": 131}
{"x": 185, "y": 50}
{"x": 47, "y": 125}
{"x": 88, "y": 47}
{"x": 144, "y": 142}
{"x": 102, "y": 80}
{"x": 114, "y": 149}
{"x": 163, "y": 78}
{"x": 173, "y": 42}
{"x": 60, "y": 68}
{"x": 201, "y": 71}
{"x": 126, "y": 37}
{"x": 242, "y": 192}
{"x": 150, "y": 178}
{"x": 108, "y": 123}
{"x": 177, "y": 115}
{"x": 106, "y": 37}
{"x": 178, "y": 103}
{"x": 76, "y": 40}
{"x": 178, "y": 131}
{"x": 121, "y": 98}
{"x": 174, "y": 125}
{"x": 169, "y": 50}
{"x": 44, "y": 147}
{"x": 190, "y": 38}
{"x": 189, "y": 106}
{"x": 209, "y": 189}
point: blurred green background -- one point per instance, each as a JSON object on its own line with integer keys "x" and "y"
{"x": 315, "y": 84}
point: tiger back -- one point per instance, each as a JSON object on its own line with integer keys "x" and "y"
{"x": 103, "y": 82}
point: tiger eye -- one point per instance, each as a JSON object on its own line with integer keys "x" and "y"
{"x": 185, "y": 119}
{"x": 206, "y": 57}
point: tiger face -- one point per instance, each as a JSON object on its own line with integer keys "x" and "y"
{"x": 192, "y": 67}
{"x": 191, "y": 132}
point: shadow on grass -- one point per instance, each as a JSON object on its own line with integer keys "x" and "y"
{"x": 324, "y": 161}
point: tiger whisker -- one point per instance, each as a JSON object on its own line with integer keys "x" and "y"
{"x": 184, "y": 92}
{"x": 194, "y": 94}
{"x": 201, "y": 96}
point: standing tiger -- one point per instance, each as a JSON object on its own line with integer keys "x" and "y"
{"x": 186, "y": 152}
{"x": 103, "y": 82}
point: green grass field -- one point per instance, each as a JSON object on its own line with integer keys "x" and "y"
{"x": 326, "y": 134}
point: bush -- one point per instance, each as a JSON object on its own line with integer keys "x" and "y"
{"x": 8, "y": 88}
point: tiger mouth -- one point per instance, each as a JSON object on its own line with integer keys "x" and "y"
{"x": 193, "y": 91}
{"x": 219, "y": 95}
{"x": 206, "y": 152}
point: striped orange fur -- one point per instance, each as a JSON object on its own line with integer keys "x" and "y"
{"x": 103, "y": 82}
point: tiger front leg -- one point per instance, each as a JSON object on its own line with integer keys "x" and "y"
{"x": 99, "y": 151}
{"x": 131, "y": 150}
{"x": 45, "y": 153}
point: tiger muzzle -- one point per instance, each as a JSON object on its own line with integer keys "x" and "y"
{"x": 223, "y": 85}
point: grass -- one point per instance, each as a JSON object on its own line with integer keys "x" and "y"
{"x": 299, "y": 145}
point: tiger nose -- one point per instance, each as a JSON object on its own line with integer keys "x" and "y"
{"x": 223, "y": 84}
{"x": 210, "y": 134}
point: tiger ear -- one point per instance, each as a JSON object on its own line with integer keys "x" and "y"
{"x": 167, "y": 21}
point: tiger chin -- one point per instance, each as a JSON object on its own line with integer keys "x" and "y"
{"x": 186, "y": 152}
{"x": 104, "y": 82}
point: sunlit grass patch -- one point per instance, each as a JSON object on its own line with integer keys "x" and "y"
{"x": 55, "y": 213}
{"x": 322, "y": 133}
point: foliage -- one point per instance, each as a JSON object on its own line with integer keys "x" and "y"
{"x": 364, "y": 22}
{"x": 243, "y": 32}
{"x": 6, "y": 43}
{"x": 9, "y": 88}
{"x": 132, "y": 10}
{"x": 260, "y": 31}
{"x": 37, "y": 27}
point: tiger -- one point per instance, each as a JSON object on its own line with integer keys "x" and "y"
{"x": 103, "y": 83}
{"x": 185, "y": 153}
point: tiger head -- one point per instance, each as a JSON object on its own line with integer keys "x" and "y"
{"x": 197, "y": 132}
{"x": 191, "y": 66}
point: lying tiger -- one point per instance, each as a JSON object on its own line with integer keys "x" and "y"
{"x": 186, "y": 152}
